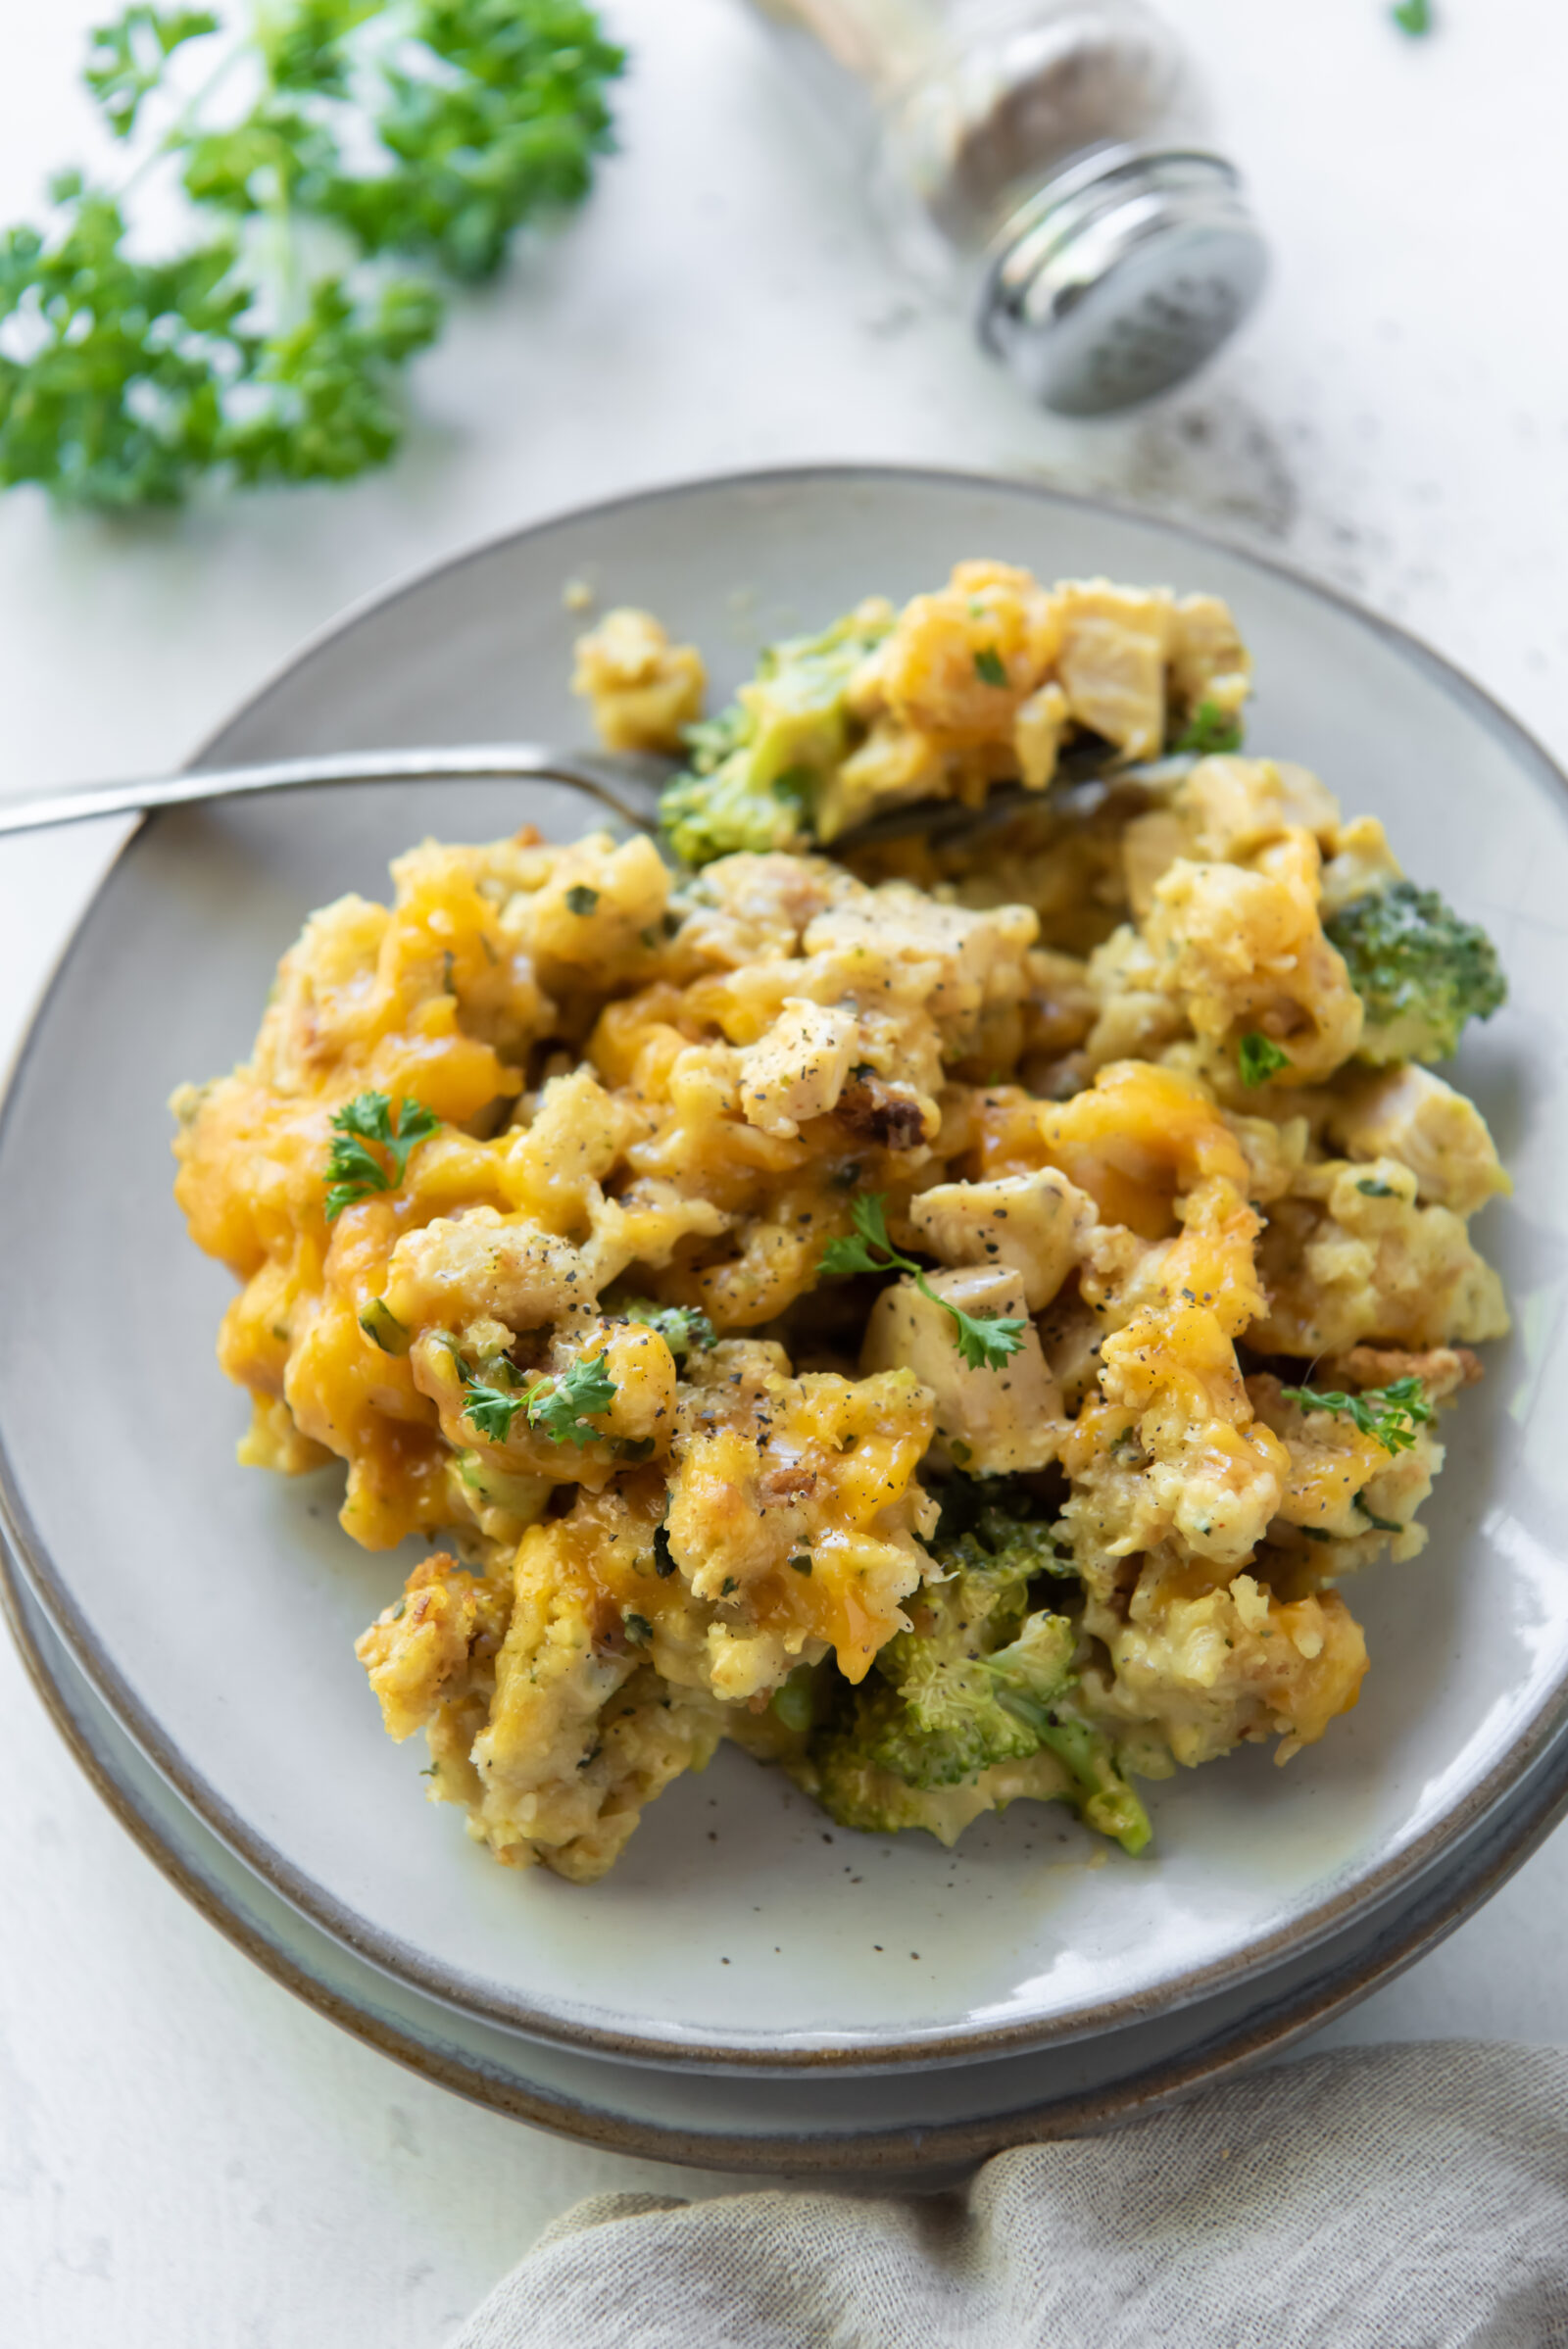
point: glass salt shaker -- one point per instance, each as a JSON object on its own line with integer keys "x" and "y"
{"x": 1049, "y": 159}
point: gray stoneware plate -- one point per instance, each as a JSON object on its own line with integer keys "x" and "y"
{"x": 934, "y": 2117}
{"x": 213, "y": 1609}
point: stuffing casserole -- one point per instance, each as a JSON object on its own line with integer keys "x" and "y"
{"x": 946, "y": 1315}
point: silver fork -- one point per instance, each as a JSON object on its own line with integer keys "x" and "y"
{"x": 618, "y": 784}
{"x": 628, "y": 786}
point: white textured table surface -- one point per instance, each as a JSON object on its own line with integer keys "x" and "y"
{"x": 187, "y": 2156}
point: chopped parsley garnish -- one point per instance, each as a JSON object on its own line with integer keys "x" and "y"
{"x": 664, "y": 1561}
{"x": 639, "y": 1631}
{"x": 490, "y": 1410}
{"x": 989, "y": 667}
{"x": 801, "y": 1563}
{"x": 580, "y": 899}
{"x": 985, "y": 1339}
{"x": 1413, "y": 15}
{"x": 555, "y": 1405}
{"x": 1390, "y": 1413}
{"x": 382, "y": 1326}
{"x": 1373, "y": 1189}
{"x": 1209, "y": 731}
{"x": 1258, "y": 1058}
{"x": 353, "y": 1171}
{"x": 1385, "y": 1524}
{"x": 680, "y": 1326}
{"x": 558, "y": 1406}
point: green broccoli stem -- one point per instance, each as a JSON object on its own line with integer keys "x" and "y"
{"x": 1107, "y": 1802}
{"x": 1104, "y": 1800}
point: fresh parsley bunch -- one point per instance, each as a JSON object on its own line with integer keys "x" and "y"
{"x": 320, "y": 139}
{"x": 985, "y": 1339}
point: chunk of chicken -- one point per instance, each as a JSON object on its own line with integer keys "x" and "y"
{"x": 1406, "y": 1112}
{"x": 994, "y": 1422}
{"x": 1114, "y": 641}
{"x": 1208, "y": 661}
{"x": 1033, "y": 1224}
{"x": 799, "y": 1068}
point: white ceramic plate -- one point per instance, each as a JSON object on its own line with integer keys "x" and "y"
{"x": 933, "y": 2118}
{"x": 214, "y": 1608}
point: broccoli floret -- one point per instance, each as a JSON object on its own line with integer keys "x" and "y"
{"x": 983, "y": 1680}
{"x": 756, "y": 771}
{"x": 857, "y": 1792}
{"x": 1419, "y": 970}
{"x": 704, "y": 816}
{"x": 929, "y": 1711}
{"x": 996, "y": 1523}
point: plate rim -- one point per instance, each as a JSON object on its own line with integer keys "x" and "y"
{"x": 469, "y": 1995}
{"x": 887, "y": 2153}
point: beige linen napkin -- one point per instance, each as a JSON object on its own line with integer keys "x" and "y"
{"x": 1373, "y": 2198}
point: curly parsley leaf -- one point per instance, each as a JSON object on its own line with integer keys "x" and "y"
{"x": 986, "y": 1341}
{"x": 125, "y": 58}
{"x": 558, "y": 1404}
{"x": 554, "y": 1404}
{"x": 868, "y": 1249}
{"x": 1391, "y": 1413}
{"x": 354, "y": 1170}
{"x": 490, "y": 1410}
{"x": 1258, "y": 1058}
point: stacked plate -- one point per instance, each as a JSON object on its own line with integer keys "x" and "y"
{"x": 750, "y": 1986}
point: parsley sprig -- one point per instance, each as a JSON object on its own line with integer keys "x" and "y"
{"x": 268, "y": 341}
{"x": 1391, "y": 1413}
{"x": 555, "y": 1406}
{"x": 354, "y": 1169}
{"x": 985, "y": 1339}
{"x": 1258, "y": 1058}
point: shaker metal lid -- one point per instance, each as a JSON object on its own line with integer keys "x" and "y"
{"x": 1120, "y": 276}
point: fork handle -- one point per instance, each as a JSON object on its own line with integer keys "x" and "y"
{"x": 524, "y": 759}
